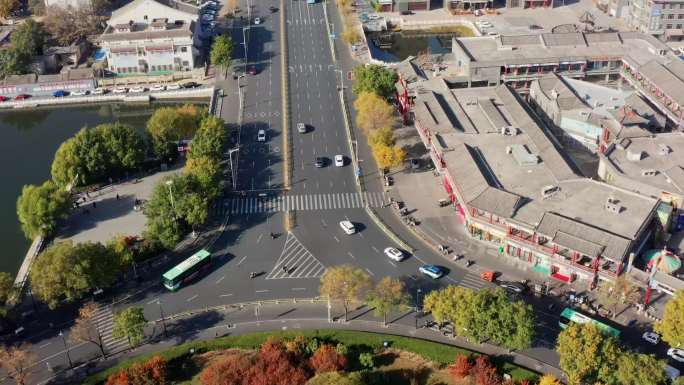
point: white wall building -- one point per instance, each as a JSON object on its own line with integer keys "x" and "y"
{"x": 148, "y": 37}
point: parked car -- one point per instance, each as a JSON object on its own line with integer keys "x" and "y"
{"x": 374, "y": 16}
{"x": 158, "y": 87}
{"x": 407, "y": 13}
{"x": 190, "y": 85}
{"x": 319, "y": 162}
{"x": 516, "y": 287}
{"x": 273, "y": 9}
{"x": 22, "y": 97}
{"x": 348, "y": 227}
{"x": 136, "y": 90}
{"x": 120, "y": 90}
{"x": 252, "y": 70}
{"x": 301, "y": 128}
{"x": 534, "y": 27}
{"x": 676, "y": 354}
{"x": 59, "y": 93}
{"x": 80, "y": 93}
{"x": 261, "y": 136}
{"x": 4, "y": 98}
{"x": 257, "y": 21}
{"x": 432, "y": 271}
{"x": 100, "y": 91}
{"x": 173, "y": 87}
{"x": 484, "y": 24}
{"x": 394, "y": 254}
{"x": 339, "y": 160}
{"x": 651, "y": 337}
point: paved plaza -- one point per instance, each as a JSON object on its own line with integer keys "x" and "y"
{"x": 110, "y": 211}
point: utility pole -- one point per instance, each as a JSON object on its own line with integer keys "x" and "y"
{"x": 161, "y": 312}
{"x": 232, "y": 169}
{"x": 66, "y": 349}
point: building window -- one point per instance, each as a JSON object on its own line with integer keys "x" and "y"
{"x": 679, "y": 26}
{"x": 186, "y": 63}
{"x": 680, "y": 16}
{"x": 670, "y": 16}
{"x": 145, "y": 17}
{"x": 184, "y": 49}
{"x": 669, "y": 26}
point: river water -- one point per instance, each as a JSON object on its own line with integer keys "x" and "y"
{"x": 29, "y": 141}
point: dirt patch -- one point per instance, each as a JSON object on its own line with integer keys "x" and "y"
{"x": 410, "y": 368}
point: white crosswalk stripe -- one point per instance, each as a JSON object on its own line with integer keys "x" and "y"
{"x": 330, "y": 201}
{"x": 296, "y": 261}
{"x": 472, "y": 281}
{"x": 104, "y": 318}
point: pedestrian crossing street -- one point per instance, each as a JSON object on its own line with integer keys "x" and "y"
{"x": 296, "y": 261}
{"x": 104, "y": 319}
{"x": 278, "y": 203}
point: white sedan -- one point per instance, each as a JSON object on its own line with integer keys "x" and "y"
{"x": 158, "y": 87}
{"x": 676, "y": 354}
{"x": 394, "y": 254}
{"x": 173, "y": 87}
{"x": 120, "y": 90}
{"x": 100, "y": 91}
{"x": 80, "y": 93}
{"x": 651, "y": 337}
{"x": 339, "y": 160}
{"x": 136, "y": 90}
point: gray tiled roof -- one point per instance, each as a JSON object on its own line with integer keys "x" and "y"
{"x": 676, "y": 176}
{"x": 663, "y": 76}
{"x": 553, "y": 159}
{"x": 141, "y": 32}
{"x": 579, "y": 236}
{"x": 564, "y": 39}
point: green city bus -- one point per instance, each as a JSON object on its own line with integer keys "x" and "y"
{"x": 186, "y": 270}
{"x": 570, "y": 315}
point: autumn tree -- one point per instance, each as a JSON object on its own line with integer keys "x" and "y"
{"x": 374, "y": 79}
{"x": 388, "y": 157}
{"x": 207, "y": 173}
{"x": 388, "y": 295}
{"x": 85, "y": 328}
{"x": 672, "y": 325}
{"x": 233, "y": 369}
{"x": 373, "y": 112}
{"x": 350, "y": 35}
{"x": 616, "y": 293}
{"x": 587, "y": 355}
{"x": 640, "y": 369}
{"x": 222, "y": 51}
{"x": 326, "y": 359}
{"x": 130, "y": 324}
{"x": 168, "y": 125}
{"x": 16, "y": 361}
{"x": 68, "y": 271}
{"x": 151, "y": 372}
{"x": 484, "y": 373}
{"x": 7, "y": 6}
{"x": 549, "y": 379}
{"x": 461, "y": 367}
{"x": 40, "y": 208}
{"x": 69, "y": 24}
{"x": 345, "y": 284}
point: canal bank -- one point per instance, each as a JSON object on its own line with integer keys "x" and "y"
{"x": 30, "y": 140}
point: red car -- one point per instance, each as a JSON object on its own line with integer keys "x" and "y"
{"x": 3, "y": 98}
{"x": 251, "y": 70}
{"x": 22, "y": 96}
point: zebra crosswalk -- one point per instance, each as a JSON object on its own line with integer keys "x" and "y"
{"x": 277, "y": 203}
{"x": 296, "y": 261}
{"x": 104, "y": 319}
{"x": 473, "y": 281}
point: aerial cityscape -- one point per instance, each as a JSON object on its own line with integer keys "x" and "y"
{"x": 342, "y": 192}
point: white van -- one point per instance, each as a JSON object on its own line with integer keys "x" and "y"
{"x": 348, "y": 227}
{"x": 671, "y": 372}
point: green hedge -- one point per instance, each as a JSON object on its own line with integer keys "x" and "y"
{"x": 436, "y": 352}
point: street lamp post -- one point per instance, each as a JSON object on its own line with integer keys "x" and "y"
{"x": 232, "y": 169}
{"x": 418, "y": 291}
{"x": 161, "y": 313}
{"x": 169, "y": 183}
{"x": 244, "y": 44}
{"x": 66, "y": 349}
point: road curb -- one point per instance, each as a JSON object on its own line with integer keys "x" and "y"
{"x": 284, "y": 85}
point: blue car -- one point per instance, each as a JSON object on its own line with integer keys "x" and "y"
{"x": 431, "y": 271}
{"x": 59, "y": 93}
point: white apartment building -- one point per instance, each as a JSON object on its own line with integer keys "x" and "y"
{"x": 148, "y": 37}
{"x": 663, "y": 18}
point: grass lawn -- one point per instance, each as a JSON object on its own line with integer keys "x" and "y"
{"x": 186, "y": 368}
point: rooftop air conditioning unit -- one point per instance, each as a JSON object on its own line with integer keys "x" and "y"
{"x": 649, "y": 172}
{"x": 664, "y": 149}
{"x": 549, "y": 191}
{"x": 613, "y": 206}
{"x": 635, "y": 156}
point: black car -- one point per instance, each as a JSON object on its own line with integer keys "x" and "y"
{"x": 190, "y": 85}
{"x": 319, "y": 162}
{"x": 533, "y": 27}
{"x": 273, "y": 9}
{"x": 516, "y": 287}
{"x": 406, "y": 13}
